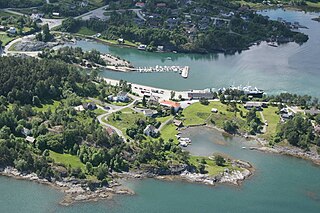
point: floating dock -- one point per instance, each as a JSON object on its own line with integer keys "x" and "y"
{"x": 183, "y": 70}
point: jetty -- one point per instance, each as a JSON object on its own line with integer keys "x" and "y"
{"x": 183, "y": 70}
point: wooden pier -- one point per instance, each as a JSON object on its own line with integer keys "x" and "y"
{"x": 183, "y": 70}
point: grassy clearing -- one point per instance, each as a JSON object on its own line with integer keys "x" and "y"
{"x": 126, "y": 120}
{"x": 52, "y": 105}
{"x": 164, "y": 119}
{"x": 86, "y": 31}
{"x": 115, "y": 42}
{"x": 197, "y": 114}
{"x": 168, "y": 132}
{"x": 4, "y": 13}
{"x": 211, "y": 167}
{"x": 313, "y": 5}
{"x": 272, "y": 119}
{"x": 5, "y": 38}
{"x": 68, "y": 160}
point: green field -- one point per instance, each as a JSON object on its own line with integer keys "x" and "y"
{"x": 5, "y": 38}
{"x": 127, "y": 119}
{"x": 272, "y": 119}
{"x": 164, "y": 119}
{"x": 44, "y": 107}
{"x": 86, "y": 31}
{"x": 197, "y": 114}
{"x": 3, "y": 13}
{"x": 67, "y": 160}
{"x": 211, "y": 167}
{"x": 168, "y": 132}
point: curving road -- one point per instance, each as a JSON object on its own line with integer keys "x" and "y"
{"x": 105, "y": 115}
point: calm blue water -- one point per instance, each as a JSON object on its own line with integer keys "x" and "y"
{"x": 290, "y": 67}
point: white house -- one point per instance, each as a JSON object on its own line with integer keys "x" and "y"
{"x": 12, "y": 30}
{"x": 122, "y": 97}
{"x": 55, "y": 14}
{"x": 149, "y": 112}
{"x": 150, "y": 130}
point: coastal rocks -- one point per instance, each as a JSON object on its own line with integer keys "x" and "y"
{"x": 200, "y": 178}
{"x": 30, "y": 46}
{"x": 235, "y": 176}
{"x": 265, "y": 149}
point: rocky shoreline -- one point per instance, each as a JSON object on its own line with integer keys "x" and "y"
{"x": 291, "y": 151}
{"x": 234, "y": 177}
{"x": 74, "y": 190}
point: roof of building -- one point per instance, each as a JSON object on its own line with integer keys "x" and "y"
{"x": 122, "y": 93}
{"x": 151, "y": 128}
{"x": 253, "y": 104}
{"x": 313, "y": 111}
{"x": 170, "y": 103}
{"x": 30, "y": 139}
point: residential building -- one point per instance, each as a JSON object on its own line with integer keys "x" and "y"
{"x": 177, "y": 123}
{"x": 149, "y": 112}
{"x": 89, "y": 106}
{"x": 122, "y": 97}
{"x": 251, "y": 105}
{"x": 30, "y": 139}
{"x": 312, "y": 111}
{"x": 150, "y": 130}
{"x": 171, "y": 104}
{"x": 12, "y": 30}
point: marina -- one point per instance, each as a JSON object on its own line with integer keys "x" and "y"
{"x": 183, "y": 70}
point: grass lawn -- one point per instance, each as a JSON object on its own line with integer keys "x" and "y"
{"x": 115, "y": 42}
{"x": 86, "y": 31}
{"x": 197, "y": 114}
{"x": 99, "y": 111}
{"x": 164, "y": 119}
{"x": 67, "y": 160}
{"x": 168, "y": 132}
{"x": 272, "y": 119}
{"x": 314, "y": 5}
{"x": 3, "y": 13}
{"x": 52, "y": 105}
{"x": 5, "y": 38}
{"x": 211, "y": 167}
{"x": 127, "y": 119}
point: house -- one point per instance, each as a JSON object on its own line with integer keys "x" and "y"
{"x": 153, "y": 100}
{"x": 89, "y": 106}
{"x": 30, "y": 139}
{"x": 313, "y": 111}
{"x": 199, "y": 95}
{"x": 140, "y": 4}
{"x": 36, "y": 16}
{"x": 150, "y": 130}
{"x": 25, "y": 131}
{"x": 160, "y": 48}
{"x": 122, "y": 97}
{"x": 12, "y": 30}
{"x": 55, "y": 14}
{"x": 286, "y": 116}
{"x": 121, "y": 41}
{"x": 110, "y": 131}
{"x": 149, "y": 112}
{"x": 142, "y": 47}
{"x": 251, "y": 105}
{"x": 79, "y": 108}
{"x": 177, "y": 123}
{"x": 171, "y": 104}
{"x": 161, "y": 5}
{"x": 214, "y": 110}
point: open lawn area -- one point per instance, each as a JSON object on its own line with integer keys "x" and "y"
{"x": 168, "y": 132}
{"x": 115, "y": 42}
{"x": 52, "y": 105}
{"x": 4, "y": 13}
{"x": 164, "y": 119}
{"x": 211, "y": 167}
{"x": 5, "y": 38}
{"x": 197, "y": 114}
{"x": 272, "y": 119}
{"x": 127, "y": 119}
{"x": 67, "y": 160}
{"x": 86, "y": 31}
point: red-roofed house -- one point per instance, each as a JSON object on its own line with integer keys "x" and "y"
{"x": 170, "y": 104}
{"x": 140, "y": 4}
